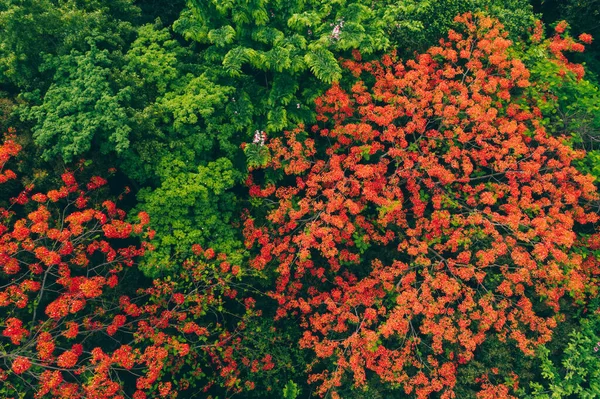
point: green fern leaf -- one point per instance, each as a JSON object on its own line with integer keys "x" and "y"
{"x": 323, "y": 65}
{"x": 222, "y": 36}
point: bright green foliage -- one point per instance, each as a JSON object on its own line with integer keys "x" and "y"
{"x": 153, "y": 60}
{"x": 155, "y": 67}
{"x": 291, "y": 391}
{"x": 282, "y": 53}
{"x": 201, "y": 214}
{"x": 196, "y": 101}
{"x": 185, "y": 124}
{"x": 571, "y": 106}
{"x": 591, "y": 163}
{"x": 80, "y": 106}
{"x": 257, "y": 155}
{"x": 569, "y": 103}
{"x": 576, "y": 373}
{"x": 583, "y": 16}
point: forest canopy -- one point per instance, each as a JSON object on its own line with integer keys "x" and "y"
{"x": 299, "y": 199}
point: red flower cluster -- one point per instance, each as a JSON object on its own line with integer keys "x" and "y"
{"x": 440, "y": 212}
{"x": 62, "y": 263}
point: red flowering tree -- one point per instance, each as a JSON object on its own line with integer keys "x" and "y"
{"x": 70, "y": 331}
{"x": 428, "y": 210}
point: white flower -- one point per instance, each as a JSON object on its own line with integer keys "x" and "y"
{"x": 337, "y": 29}
{"x": 259, "y": 138}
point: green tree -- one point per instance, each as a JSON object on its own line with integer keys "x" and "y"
{"x": 583, "y": 16}
{"x": 575, "y": 371}
{"x": 81, "y": 106}
{"x": 31, "y": 29}
{"x": 191, "y": 208}
{"x": 184, "y": 133}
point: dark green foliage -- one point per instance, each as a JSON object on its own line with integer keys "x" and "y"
{"x": 433, "y": 19}
{"x": 583, "y": 16}
{"x": 81, "y": 106}
{"x": 499, "y": 360}
{"x": 167, "y": 11}
{"x": 31, "y": 29}
{"x": 6, "y": 110}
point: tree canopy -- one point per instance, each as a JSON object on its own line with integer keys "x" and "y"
{"x": 299, "y": 199}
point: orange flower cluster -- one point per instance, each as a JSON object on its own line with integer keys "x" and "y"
{"x": 61, "y": 264}
{"x": 62, "y": 260}
{"x": 439, "y": 212}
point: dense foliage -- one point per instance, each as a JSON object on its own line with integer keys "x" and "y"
{"x": 438, "y": 212}
{"x": 73, "y": 330}
{"x": 299, "y": 199}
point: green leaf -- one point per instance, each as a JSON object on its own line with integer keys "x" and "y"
{"x": 277, "y": 119}
{"x": 235, "y": 58}
{"x": 222, "y": 36}
{"x": 323, "y": 65}
{"x": 291, "y": 390}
